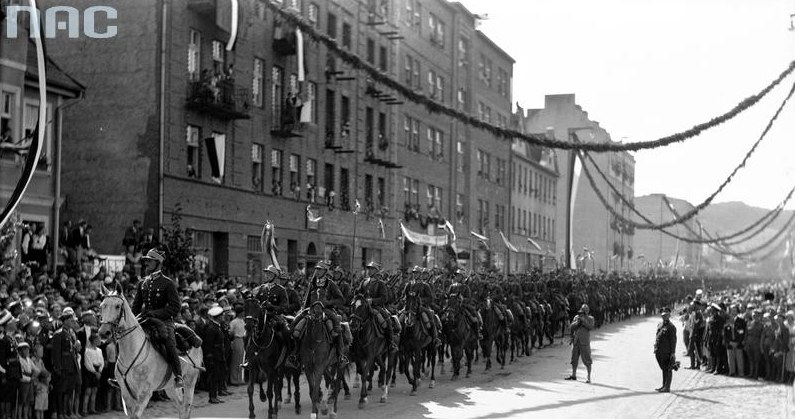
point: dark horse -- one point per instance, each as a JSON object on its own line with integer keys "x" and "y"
{"x": 460, "y": 335}
{"x": 368, "y": 346}
{"x": 414, "y": 340}
{"x": 494, "y": 333}
{"x": 319, "y": 357}
{"x": 265, "y": 350}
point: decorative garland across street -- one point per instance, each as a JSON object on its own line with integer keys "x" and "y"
{"x": 435, "y": 107}
{"x": 692, "y": 213}
{"x": 770, "y": 216}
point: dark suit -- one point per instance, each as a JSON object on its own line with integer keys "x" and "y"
{"x": 156, "y": 297}
{"x": 65, "y": 368}
{"x": 213, "y": 349}
{"x": 664, "y": 350}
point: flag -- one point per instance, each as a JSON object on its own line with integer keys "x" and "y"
{"x": 356, "y": 206}
{"x": 450, "y": 228}
{"x": 508, "y": 244}
{"x": 483, "y": 239}
{"x": 311, "y": 216}
{"x": 381, "y": 228}
{"x": 574, "y": 181}
{"x": 216, "y": 153}
{"x": 533, "y": 242}
{"x": 268, "y": 242}
{"x": 299, "y": 41}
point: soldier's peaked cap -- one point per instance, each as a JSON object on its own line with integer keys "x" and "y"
{"x": 374, "y": 265}
{"x": 272, "y": 269}
{"x": 155, "y": 254}
{"x": 323, "y": 265}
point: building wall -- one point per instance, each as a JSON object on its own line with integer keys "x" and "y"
{"x": 592, "y": 222}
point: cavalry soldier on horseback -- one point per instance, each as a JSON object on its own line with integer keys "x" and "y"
{"x": 422, "y": 292}
{"x": 157, "y": 299}
{"x": 496, "y": 294}
{"x": 374, "y": 289}
{"x": 458, "y": 289}
{"x": 293, "y": 299}
{"x": 325, "y": 292}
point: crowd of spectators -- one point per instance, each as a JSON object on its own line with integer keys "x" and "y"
{"x": 747, "y": 332}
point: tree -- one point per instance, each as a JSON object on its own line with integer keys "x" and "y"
{"x": 8, "y": 251}
{"x": 178, "y": 244}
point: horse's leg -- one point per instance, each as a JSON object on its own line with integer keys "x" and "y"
{"x": 296, "y": 375}
{"x": 313, "y": 380}
{"x": 346, "y": 389}
{"x": 364, "y": 373}
{"x": 252, "y": 376}
{"x": 433, "y": 367}
{"x": 273, "y": 404}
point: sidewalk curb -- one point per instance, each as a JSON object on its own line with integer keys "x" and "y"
{"x": 788, "y": 403}
{"x": 673, "y": 396}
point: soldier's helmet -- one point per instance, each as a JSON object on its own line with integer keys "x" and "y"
{"x": 156, "y": 255}
{"x": 271, "y": 273}
{"x": 373, "y": 265}
{"x": 321, "y": 271}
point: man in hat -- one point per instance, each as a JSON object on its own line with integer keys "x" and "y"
{"x": 375, "y": 291}
{"x": 696, "y": 343}
{"x": 213, "y": 349}
{"x": 322, "y": 290}
{"x": 65, "y": 364}
{"x": 458, "y": 289}
{"x": 422, "y": 293}
{"x": 665, "y": 348}
{"x": 10, "y": 370}
{"x": 753, "y": 343}
{"x": 157, "y": 299}
{"x": 273, "y": 299}
{"x": 580, "y": 342}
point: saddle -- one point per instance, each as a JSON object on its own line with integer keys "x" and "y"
{"x": 186, "y": 339}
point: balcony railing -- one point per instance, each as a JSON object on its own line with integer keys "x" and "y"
{"x": 218, "y": 97}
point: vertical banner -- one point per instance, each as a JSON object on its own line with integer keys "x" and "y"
{"x": 574, "y": 178}
{"x": 216, "y": 152}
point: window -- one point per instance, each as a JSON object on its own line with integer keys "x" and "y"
{"x": 311, "y": 97}
{"x": 484, "y": 70}
{"x": 260, "y": 9}
{"x": 411, "y": 131}
{"x": 369, "y": 129}
{"x": 256, "y": 83}
{"x": 412, "y": 72}
{"x": 192, "y": 144}
{"x": 415, "y": 191}
{"x": 383, "y": 59}
{"x": 30, "y": 118}
{"x": 328, "y": 179}
{"x": 483, "y": 215}
{"x": 381, "y": 192}
{"x": 383, "y": 142}
{"x": 371, "y": 51}
{"x": 313, "y": 13}
{"x": 499, "y": 216}
{"x": 459, "y": 150}
{"x": 430, "y": 191}
{"x": 435, "y": 144}
{"x": 194, "y": 55}
{"x": 331, "y": 29}
{"x": 346, "y": 35}
{"x": 345, "y": 192}
{"x": 513, "y": 219}
{"x": 368, "y": 192}
{"x": 484, "y": 165}
{"x": 345, "y": 109}
{"x": 414, "y": 15}
{"x": 256, "y": 167}
{"x": 311, "y": 179}
{"x": 406, "y": 190}
{"x": 254, "y": 257}
{"x": 432, "y": 84}
{"x": 277, "y": 82}
{"x": 218, "y": 56}
{"x": 276, "y": 172}
{"x": 331, "y": 111}
{"x": 295, "y": 173}
{"x": 501, "y": 165}
{"x": 463, "y": 52}
{"x": 459, "y": 207}
{"x": 461, "y": 97}
{"x": 503, "y": 80}
{"x": 437, "y": 30}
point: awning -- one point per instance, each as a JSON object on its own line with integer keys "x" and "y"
{"x": 508, "y": 244}
{"x": 478, "y": 236}
{"x": 423, "y": 239}
{"x": 533, "y": 242}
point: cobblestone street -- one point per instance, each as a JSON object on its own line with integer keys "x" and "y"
{"x": 624, "y": 377}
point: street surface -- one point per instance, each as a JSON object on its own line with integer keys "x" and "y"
{"x": 624, "y": 377}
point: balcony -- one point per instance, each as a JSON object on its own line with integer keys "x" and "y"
{"x": 203, "y": 7}
{"x": 219, "y": 98}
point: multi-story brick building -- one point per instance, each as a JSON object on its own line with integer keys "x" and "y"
{"x": 19, "y": 112}
{"x": 595, "y": 232}
{"x": 238, "y": 137}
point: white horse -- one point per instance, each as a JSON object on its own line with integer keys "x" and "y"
{"x": 140, "y": 370}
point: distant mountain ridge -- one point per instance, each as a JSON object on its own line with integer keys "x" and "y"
{"x": 729, "y": 217}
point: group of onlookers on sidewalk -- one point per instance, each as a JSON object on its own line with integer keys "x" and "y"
{"x": 750, "y": 333}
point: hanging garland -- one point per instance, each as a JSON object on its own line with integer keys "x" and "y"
{"x": 717, "y": 240}
{"x": 435, "y": 107}
{"x": 692, "y": 213}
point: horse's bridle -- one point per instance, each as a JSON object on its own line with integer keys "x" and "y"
{"x": 116, "y": 335}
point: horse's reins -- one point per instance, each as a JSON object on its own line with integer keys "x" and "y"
{"x": 117, "y": 337}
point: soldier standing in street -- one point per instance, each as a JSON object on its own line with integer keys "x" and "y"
{"x": 157, "y": 299}
{"x": 665, "y": 349}
{"x": 581, "y": 342}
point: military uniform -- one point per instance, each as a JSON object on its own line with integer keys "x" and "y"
{"x": 330, "y": 298}
{"x": 157, "y": 298}
{"x": 462, "y": 291}
{"x": 213, "y": 349}
{"x": 665, "y": 350}
{"x": 376, "y": 291}
{"x": 422, "y": 293}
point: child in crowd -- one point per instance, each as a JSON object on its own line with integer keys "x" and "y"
{"x": 29, "y": 370}
{"x": 41, "y": 383}
{"x": 94, "y": 363}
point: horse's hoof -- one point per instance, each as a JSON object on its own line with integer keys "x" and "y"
{"x": 432, "y": 384}
{"x": 355, "y": 385}
{"x": 298, "y": 410}
{"x": 324, "y": 411}
{"x": 361, "y": 405}
{"x": 382, "y": 399}
{"x": 468, "y": 375}
{"x": 347, "y": 396}
{"x": 287, "y": 400}
{"x": 392, "y": 385}
{"x": 332, "y": 415}
{"x": 413, "y": 393}
{"x": 454, "y": 377}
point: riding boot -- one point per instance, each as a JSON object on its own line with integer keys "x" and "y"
{"x": 343, "y": 359}
{"x": 173, "y": 357}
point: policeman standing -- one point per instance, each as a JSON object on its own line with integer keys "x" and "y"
{"x": 157, "y": 299}
{"x": 665, "y": 348}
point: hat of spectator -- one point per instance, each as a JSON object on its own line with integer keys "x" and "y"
{"x": 374, "y": 265}
{"x": 323, "y": 265}
{"x": 67, "y": 313}
{"x": 665, "y": 310}
{"x": 87, "y": 313}
{"x": 41, "y": 312}
{"x": 5, "y": 317}
{"x": 460, "y": 271}
{"x": 215, "y": 311}
{"x": 14, "y": 304}
{"x": 156, "y": 255}
{"x": 185, "y": 305}
{"x": 585, "y": 309}
{"x": 23, "y": 345}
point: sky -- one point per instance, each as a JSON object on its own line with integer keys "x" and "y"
{"x": 645, "y": 69}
